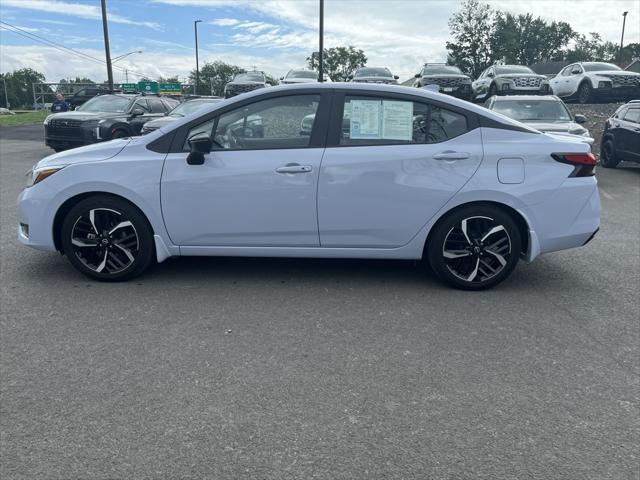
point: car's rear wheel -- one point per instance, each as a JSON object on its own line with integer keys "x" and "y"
{"x": 107, "y": 238}
{"x": 475, "y": 247}
{"x": 608, "y": 157}
{"x": 585, "y": 93}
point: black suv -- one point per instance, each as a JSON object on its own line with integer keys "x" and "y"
{"x": 621, "y": 136}
{"x": 103, "y": 118}
{"x": 449, "y": 79}
{"x": 85, "y": 94}
{"x": 245, "y": 82}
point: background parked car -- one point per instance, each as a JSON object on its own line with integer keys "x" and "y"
{"x": 299, "y": 75}
{"x": 590, "y": 81}
{"x": 374, "y": 75}
{"x": 6, "y": 111}
{"x": 449, "y": 79}
{"x": 509, "y": 80}
{"x": 621, "y": 137}
{"x": 245, "y": 82}
{"x": 103, "y": 118}
{"x": 86, "y": 94}
{"x": 180, "y": 111}
{"x": 546, "y": 113}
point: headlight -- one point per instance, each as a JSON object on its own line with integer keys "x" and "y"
{"x": 36, "y": 175}
{"x": 46, "y": 120}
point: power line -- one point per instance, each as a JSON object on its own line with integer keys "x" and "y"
{"x": 62, "y": 48}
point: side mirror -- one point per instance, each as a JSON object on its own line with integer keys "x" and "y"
{"x": 396, "y": 77}
{"x": 281, "y": 78}
{"x": 136, "y": 112}
{"x": 199, "y": 144}
{"x": 580, "y": 119}
{"x": 417, "y": 75}
{"x": 575, "y": 71}
{"x": 490, "y": 75}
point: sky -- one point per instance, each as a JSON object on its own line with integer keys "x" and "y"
{"x": 270, "y": 35}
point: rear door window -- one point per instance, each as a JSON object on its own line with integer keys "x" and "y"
{"x": 388, "y": 121}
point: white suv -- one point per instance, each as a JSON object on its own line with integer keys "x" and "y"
{"x": 589, "y": 81}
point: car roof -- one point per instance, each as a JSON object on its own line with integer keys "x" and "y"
{"x": 547, "y": 98}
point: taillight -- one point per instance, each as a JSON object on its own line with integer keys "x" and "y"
{"x": 584, "y": 163}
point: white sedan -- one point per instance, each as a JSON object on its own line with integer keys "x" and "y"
{"x": 384, "y": 172}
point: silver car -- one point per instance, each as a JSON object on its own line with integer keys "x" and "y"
{"x": 544, "y": 113}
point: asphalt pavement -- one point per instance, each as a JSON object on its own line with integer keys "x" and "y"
{"x": 300, "y": 369}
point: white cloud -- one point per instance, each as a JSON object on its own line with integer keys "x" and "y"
{"x": 81, "y": 10}
{"x": 225, "y": 22}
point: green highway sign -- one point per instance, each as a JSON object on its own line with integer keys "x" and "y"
{"x": 170, "y": 89}
{"x": 148, "y": 87}
{"x": 129, "y": 87}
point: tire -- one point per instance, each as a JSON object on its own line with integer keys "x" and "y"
{"x": 608, "y": 157}
{"x": 480, "y": 258}
{"x": 493, "y": 90}
{"x": 107, "y": 238}
{"x": 119, "y": 134}
{"x": 585, "y": 93}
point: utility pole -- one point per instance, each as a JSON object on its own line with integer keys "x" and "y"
{"x": 624, "y": 21}
{"x": 195, "y": 27}
{"x": 321, "y": 51}
{"x": 105, "y": 30}
{"x": 6, "y": 98}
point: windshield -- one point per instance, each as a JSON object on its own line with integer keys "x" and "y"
{"x": 507, "y": 69}
{"x": 302, "y": 74}
{"x": 599, "y": 67}
{"x": 533, "y": 110}
{"x": 441, "y": 70}
{"x": 106, "y": 103}
{"x": 249, "y": 77}
{"x": 189, "y": 107}
{"x": 373, "y": 72}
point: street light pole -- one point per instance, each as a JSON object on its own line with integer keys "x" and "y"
{"x": 321, "y": 41}
{"x": 624, "y": 21}
{"x": 195, "y": 27}
{"x": 105, "y": 30}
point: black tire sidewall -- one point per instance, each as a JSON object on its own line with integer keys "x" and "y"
{"x": 118, "y": 133}
{"x": 493, "y": 90}
{"x": 146, "y": 249}
{"x": 442, "y": 228}
{"x": 609, "y": 160}
{"x": 581, "y": 88}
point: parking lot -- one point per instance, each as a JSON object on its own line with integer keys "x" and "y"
{"x": 298, "y": 369}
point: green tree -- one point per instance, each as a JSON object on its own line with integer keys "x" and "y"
{"x": 271, "y": 80}
{"x": 214, "y": 76}
{"x": 339, "y": 62}
{"x": 168, "y": 80}
{"x": 472, "y": 29}
{"x": 629, "y": 53}
{"x": 592, "y": 49}
{"x": 526, "y": 40}
{"x": 19, "y": 85}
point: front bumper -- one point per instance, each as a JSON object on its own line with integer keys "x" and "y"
{"x": 84, "y": 136}
{"x": 617, "y": 93}
{"x": 35, "y": 226}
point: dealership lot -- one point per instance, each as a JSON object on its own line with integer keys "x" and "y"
{"x": 264, "y": 368}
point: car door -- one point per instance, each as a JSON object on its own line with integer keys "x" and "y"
{"x": 155, "y": 109}
{"x": 258, "y": 185}
{"x": 560, "y": 83}
{"x": 480, "y": 86}
{"x": 628, "y": 141}
{"x": 391, "y": 163}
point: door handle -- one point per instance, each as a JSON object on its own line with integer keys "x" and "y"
{"x": 294, "y": 168}
{"x": 451, "y": 156}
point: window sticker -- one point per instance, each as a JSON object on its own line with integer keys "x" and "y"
{"x": 365, "y": 120}
{"x": 397, "y": 120}
{"x": 380, "y": 119}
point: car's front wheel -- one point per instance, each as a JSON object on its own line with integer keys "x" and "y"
{"x": 107, "y": 238}
{"x": 585, "y": 93}
{"x": 475, "y": 247}
{"x": 608, "y": 157}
